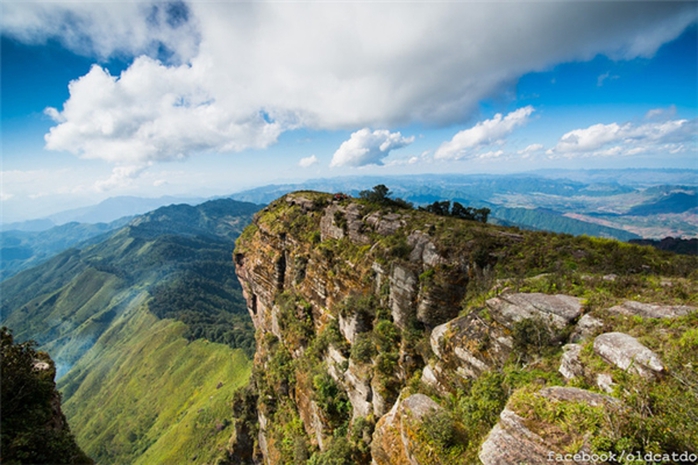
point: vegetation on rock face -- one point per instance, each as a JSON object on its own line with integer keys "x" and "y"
{"x": 32, "y": 426}
{"x": 366, "y": 281}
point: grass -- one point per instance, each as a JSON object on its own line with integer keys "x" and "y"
{"x": 162, "y": 402}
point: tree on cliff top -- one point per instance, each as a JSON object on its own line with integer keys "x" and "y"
{"x": 380, "y": 195}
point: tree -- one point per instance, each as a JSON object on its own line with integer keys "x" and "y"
{"x": 380, "y": 195}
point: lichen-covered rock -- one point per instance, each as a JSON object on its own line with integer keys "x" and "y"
{"x": 470, "y": 345}
{"x": 403, "y": 295}
{"x": 644, "y": 310}
{"x": 394, "y": 440}
{"x": 556, "y": 310}
{"x": 626, "y": 352}
{"x": 586, "y": 327}
{"x": 605, "y": 382}
{"x": 573, "y": 394}
{"x": 511, "y": 443}
{"x": 423, "y": 249}
{"x": 570, "y": 365}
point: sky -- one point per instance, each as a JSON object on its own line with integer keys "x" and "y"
{"x": 101, "y": 99}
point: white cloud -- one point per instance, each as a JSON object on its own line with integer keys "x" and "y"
{"x": 627, "y": 139}
{"x": 484, "y": 133}
{"x": 530, "y": 149}
{"x": 121, "y": 176}
{"x": 657, "y": 113}
{"x": 243, "y": 72}
{"x": 151, "y": 112}
{"x": 368, "y": 148}
{"x": 490, "y": 154}
{"x": 5, "y": 196}
{"x": 107, "y": 29}
{"x": 306, "y": 162}
{"x": 603, "y": 77}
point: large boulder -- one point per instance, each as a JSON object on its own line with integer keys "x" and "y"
{"x": 512, "y": 441}
{"x": 471, "y": 345}
{"x": 394, "y": 440}
{"x": 626, "y": 352}
{"x": 557, "y": 311}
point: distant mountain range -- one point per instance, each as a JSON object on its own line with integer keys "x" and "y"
{"x": 106, "y": 211}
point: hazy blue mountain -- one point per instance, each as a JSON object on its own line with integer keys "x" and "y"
{"x": 117, "y": 207}
{"x": 675, "y": 202}
{"x": 67, "y": 302}
{"x": 20, "y": 250}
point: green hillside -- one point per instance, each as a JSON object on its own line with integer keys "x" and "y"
{"x": 145, "y": 394}
{"x": 133, "y": 321}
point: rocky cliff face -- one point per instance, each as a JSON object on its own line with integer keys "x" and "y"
{"x": 394, "y": 336}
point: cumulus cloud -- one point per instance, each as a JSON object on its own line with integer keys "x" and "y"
{"x": 484, "y": 133}
{"x": 626, "y": 139}
{"x": 121, "y": 176}
{"x": 236, "y": 74}
{"x": 151, "y": 112}
{"x": 368, "y": 148}
{"x": 305, "y": 162}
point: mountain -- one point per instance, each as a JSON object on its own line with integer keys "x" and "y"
{"x": 598, "y": 203}
{"x": 149, "y": 333}
{"x": 674, "y": 202}
{"x": 390, "y": 335}
{"x": 20, "y": 250}
{"x": 117, "y": 207}
{"x": 107, "y": 211}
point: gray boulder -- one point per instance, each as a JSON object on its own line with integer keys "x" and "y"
{"x": 644, "y": 310}
{"x": 626, "y": 352}
{"x": 557, "y": 311}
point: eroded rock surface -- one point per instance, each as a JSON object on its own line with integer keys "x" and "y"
{"x": 570, "y": 365}
{"x": 393, "y": 440}
{"x": 556, "y": 310}
{"x": 626, "y": 352}
{"x": 644, "y": 310}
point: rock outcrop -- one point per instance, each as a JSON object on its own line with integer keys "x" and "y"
{"x": 512, "y": 440}
{"x": 364, "y": 327}
{"x": 393, "y": 441}
{"x": 632, "y": 308}
{"x": 626, "y": 352}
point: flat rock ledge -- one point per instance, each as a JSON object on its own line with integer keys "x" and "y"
{"x": 644, "y": 310}
{"x": 626, "y": 352}
{"x": 557, "y": 310}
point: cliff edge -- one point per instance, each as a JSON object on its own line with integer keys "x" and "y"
{"x": 390, "y": 335}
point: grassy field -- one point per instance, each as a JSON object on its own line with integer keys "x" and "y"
{"x": 145, "y": 394}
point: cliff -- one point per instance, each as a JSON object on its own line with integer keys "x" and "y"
{"x": 389, "y": 335}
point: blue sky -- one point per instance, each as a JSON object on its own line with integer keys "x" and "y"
{"x": 200, "y": 98}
